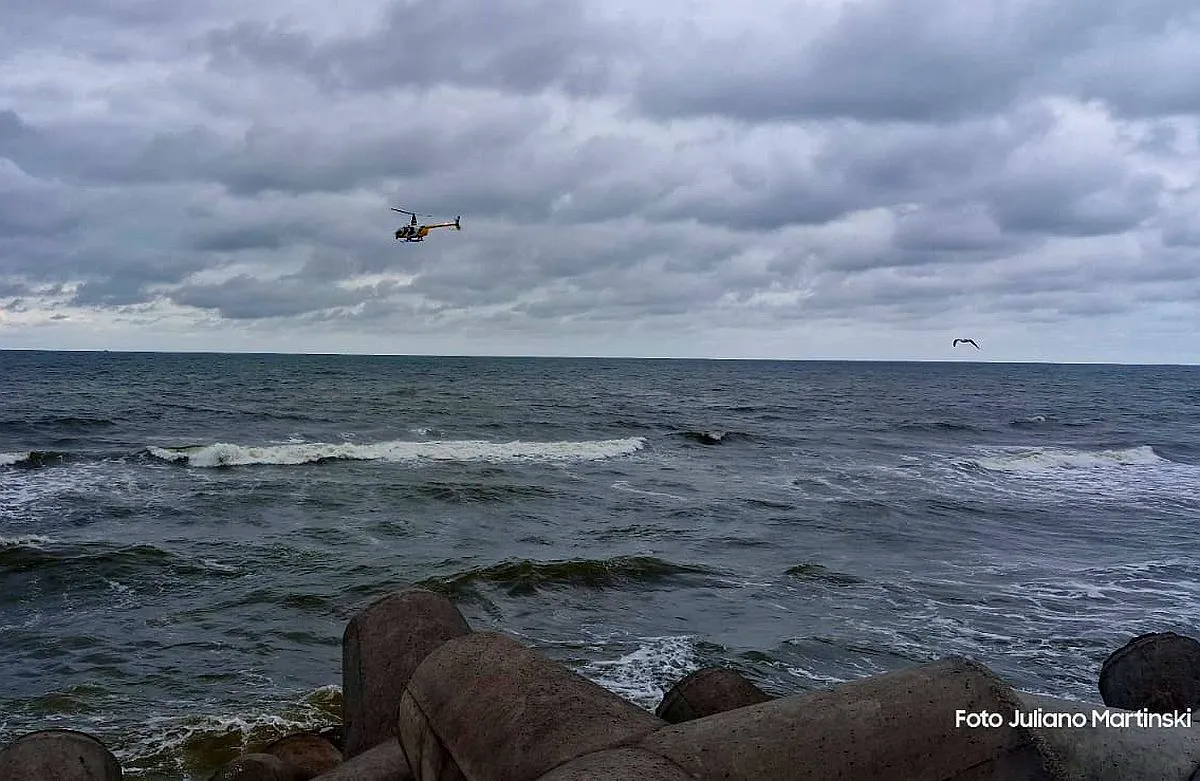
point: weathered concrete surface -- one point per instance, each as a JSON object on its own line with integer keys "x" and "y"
{"x": 335, "y": 734}
{"x": 618, "y": 764}
{"x": 1100, "y": 752}
{"x": 307, "y": 753}
{"x": 486, "y": 708}
{"x": 255, "y": 767}
{"x": 385, "y": 762}
{"x": 381, "y": 648}
{"x": 58, "y": 755}
{"x": 895, "y": 726}
{"x": 707, "y": 691}
{"x": 1159, "y": 671}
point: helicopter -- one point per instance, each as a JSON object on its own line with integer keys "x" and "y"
{"x": 414, "y": 232}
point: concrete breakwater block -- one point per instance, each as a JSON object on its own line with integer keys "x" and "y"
{"x": 707, "y": 691}
{"x": 483, "y": 707}
{"x": 1159, "y": 671}
{"x": 381, "y": 648}
{"x": 308, "y": 754}
{"x": 1113, "y": 744}
{"x": 58, "y": 755}
{"x": 902, "y": 725}
{"x": 385, "y": 762}
{"x": 618, "y": 764}
{"x": 256, "y": 767}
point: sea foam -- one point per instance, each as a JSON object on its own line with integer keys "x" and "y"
{"x": 226, "y": 454}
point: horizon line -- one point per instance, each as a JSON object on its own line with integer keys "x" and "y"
{"x": 977, "y": 361}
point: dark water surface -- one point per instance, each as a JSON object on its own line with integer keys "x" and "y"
{"x": 183, "y": 537}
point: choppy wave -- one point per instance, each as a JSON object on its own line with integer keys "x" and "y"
{"x": 714, "y": 436}
{"x": 644, "y": 675}
{"x": 936, "y": 426}
{"x": 1046, "y": 458}
{"x": 25, "y": 541}
{"x": 470, "y": 492}
{"x": 62, "y": 421}
{"x": 196, "y": 745}
{"x": 527, "y": 577}
{"x": 33, "y": 459}
{"x": 819, "y": 572}
{"x": 225, "y": 454}
{"x": 82, "y": 562}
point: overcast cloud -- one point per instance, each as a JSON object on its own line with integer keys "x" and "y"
{"x": 831, "y": 179}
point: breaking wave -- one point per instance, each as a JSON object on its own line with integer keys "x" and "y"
{"x": 225, "y": 454}
{"x": 198, "y": 745}
{"x": 33, "y": 459}
{"x": 1048, "y": 458}
{"x": 24, "y": 541}
{"x": 646, "y": 673}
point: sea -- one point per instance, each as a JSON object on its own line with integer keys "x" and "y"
{"x": 183, "y": 537}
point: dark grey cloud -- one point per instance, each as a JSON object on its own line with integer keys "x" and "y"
{"x": 619, "y": 168}
{"x": 517, "y": 45}
{"x": 30, "y": 207}
{"x": 925, "y": 60}
{"x": 248, "y": 298}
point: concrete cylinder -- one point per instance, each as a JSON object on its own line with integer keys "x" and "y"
{"x": 385, "y": 762}
{"x": 485, "y": 708}
{"x": 1159, "y": 671}
{"x": 908, "y": 724}
{"x": 708, "y": 691}
{"x": 618, "y": 764}
{"x": 335, "y": 734}
{"x": 1107, "y": 744}
{"x": 307, "y": 753}
{"x": 381, "y": 647}
{"x": 58, "y": 755}
{"x": 255, "y": 767}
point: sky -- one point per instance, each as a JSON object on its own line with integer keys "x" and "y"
{"x": 845, "y": 179}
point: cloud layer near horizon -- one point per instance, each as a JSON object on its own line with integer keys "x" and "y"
{"x": 865, "y": 178}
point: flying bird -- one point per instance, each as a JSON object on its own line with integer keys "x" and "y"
{"x": 965, "y": 341}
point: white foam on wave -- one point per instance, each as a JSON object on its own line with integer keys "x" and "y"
{"x": 1048, "y": 458}
{"x": 624, "y": 485}
{"x": 173, "y": 741}
{"x": 12, "y": 459}
{"x": 643, "y": 675}
{"x": 25, "y": 541}
{"x": 226, "y": 454}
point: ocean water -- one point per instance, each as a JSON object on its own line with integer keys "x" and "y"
{"x": 184, "y": 536}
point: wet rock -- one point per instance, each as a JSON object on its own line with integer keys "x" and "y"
{"x": 307, "y": 753}
{"x": 385, "y": 762}
{"x": 381, "y": 647}
{"x": 58, "y": 755}
{"x": 899, "y": 725}
{"x": 256, "y": 767}
{"x": 708, "y": 691}
{"x": 1159, "y": 671}
{"x": 484, "y": 707}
